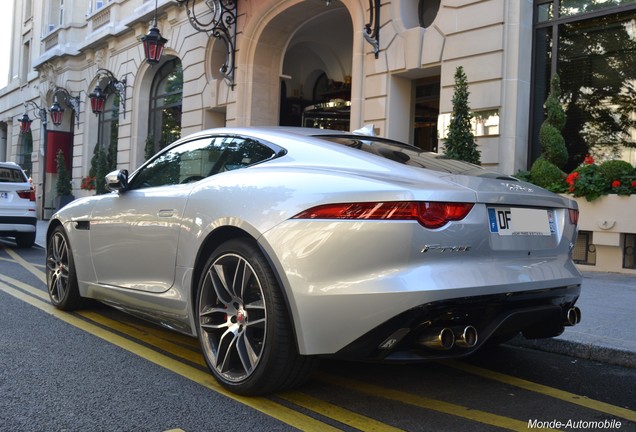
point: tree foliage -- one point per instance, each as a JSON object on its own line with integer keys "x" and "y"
{"x": 597, "y": 64}
{"x": 460, "y": 142}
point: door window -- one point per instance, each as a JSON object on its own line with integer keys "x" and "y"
{"x": 195, "y": 160}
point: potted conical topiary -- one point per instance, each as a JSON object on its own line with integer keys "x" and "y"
{"x": 63, "y": 185}
{"x": 460, "y": 143}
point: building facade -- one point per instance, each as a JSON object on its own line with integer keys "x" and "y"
{"x": 321, "y": 63}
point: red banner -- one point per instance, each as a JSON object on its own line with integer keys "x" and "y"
{"x": 55, "y": 141}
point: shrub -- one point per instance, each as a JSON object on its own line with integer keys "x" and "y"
{"x": 553, "y": 144}
{"x": 620, "y": 175}
{"x": 547, "y": 175}
{"x": 550, "y": 137}
{"x": 617, "y": 170}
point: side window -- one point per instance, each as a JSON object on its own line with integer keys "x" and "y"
{"x": 182, "y": 164}
{"x": 195, "y": 160}
{"x": 241, "y": 153}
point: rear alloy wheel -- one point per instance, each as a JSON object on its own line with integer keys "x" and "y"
{"x": 61, "y": 279}
{"x": 243, "y": 323}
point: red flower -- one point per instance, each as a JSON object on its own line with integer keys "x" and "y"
{"x": 589, "y": 160}
{"x": 634, "y": 184}
{"x": 616, "y": 183}
{"x": 572, "y": 178}
{"x": 88, "y": 183}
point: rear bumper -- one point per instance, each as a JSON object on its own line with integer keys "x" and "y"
{"x": 9, "y": 225}
{"x": 537, "y": 314}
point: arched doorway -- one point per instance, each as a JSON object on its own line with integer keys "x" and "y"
{"x": 316, "y": 78}
{"x": 301, "y": 53}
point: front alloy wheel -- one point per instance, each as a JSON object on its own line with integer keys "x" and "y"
{"x": 243, "y": 323}
{"x": 61, "y": 279}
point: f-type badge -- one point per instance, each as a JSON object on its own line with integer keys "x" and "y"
{"x": 442, "y": 249}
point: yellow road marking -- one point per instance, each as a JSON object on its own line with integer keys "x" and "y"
{"x": 150, "y": 336}
{"x": 548, "y": 391}
{"x": 266, "y": 406}
{"x": 319, "y": 406}
{"x": 427, "y": 403}
{"x": 335, "y": 412}
{"x": 26, "y": 287}
{"x": 27, "y": 265}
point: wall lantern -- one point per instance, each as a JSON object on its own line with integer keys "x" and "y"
{"x": 153, "y": 42}
{"x": 113, "y": 85}
{"x": 57, "y": 112}
{"x": 25, "y": 123}
{"x": 38, "y": 112}
{"x": 98, "y": 99}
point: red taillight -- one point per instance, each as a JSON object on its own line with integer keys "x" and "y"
{"x": 438, "y": 214}
{"x": 574, "y": 216}
{"x": 429, "y": 214}
{"x": 27, "y": 194}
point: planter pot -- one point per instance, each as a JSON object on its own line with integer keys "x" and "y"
{"x": 62, "y": 200}
{"x": 606, "y": 226}
{"x": 609, "y": 213}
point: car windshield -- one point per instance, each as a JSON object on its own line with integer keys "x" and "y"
{"x": 411, "y": 155}
{"x": 11, "y": 175}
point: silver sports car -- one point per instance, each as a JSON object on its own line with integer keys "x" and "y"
{"x": 278, "y": 246}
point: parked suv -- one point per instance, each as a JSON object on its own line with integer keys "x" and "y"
{"x": 17, "y": 205}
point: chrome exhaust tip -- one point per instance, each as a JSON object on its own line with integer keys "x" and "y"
{"x": 438, "y": 339}
{"x": 466, "y": 337}
{"x": 572, "y": 316}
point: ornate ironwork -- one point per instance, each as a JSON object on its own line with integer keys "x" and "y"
{"x": 218, "y": 20}
{"x": 71, "y": 101}
{"x": 114, "y": 85}
{"x": 372, "y": 28}
{"x": 38, "y": 112}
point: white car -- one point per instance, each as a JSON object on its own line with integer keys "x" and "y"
{"x": 278, "y": 246}
{"x": 18, "y": 216}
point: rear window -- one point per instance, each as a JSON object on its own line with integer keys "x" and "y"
{"x": 411, "y": 155}
{"x": 12, "y": 175}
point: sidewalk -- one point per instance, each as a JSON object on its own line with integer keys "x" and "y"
{"x": 607, "y": 332}
{"x": 40, "y": 234}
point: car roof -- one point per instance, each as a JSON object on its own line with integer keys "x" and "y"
{"x": 10, "y": 165}
{"x": 273, "y": 130}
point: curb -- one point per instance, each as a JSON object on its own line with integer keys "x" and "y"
{"x": 582, "y": 350}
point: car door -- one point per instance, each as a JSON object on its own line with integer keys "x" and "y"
{"x": 135, "y": 234}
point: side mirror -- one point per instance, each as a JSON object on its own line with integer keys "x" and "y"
{"x": 117, "y": 181}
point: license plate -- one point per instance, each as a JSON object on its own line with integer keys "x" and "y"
{"x": 510, "y": 221}
{"x": 4, "y": 195}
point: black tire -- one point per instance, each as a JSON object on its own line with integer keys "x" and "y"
{"x": 61, "y": 278}
{"x": 244, "y": 326}
{"x": 25, "y": 240}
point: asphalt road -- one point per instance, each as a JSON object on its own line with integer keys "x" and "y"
{"x": 101, "y": 370}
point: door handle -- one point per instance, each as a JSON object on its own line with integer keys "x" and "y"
{"x": 167, "y": 213}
